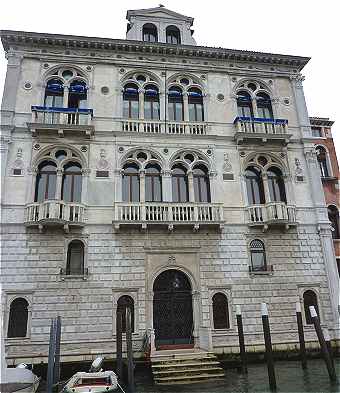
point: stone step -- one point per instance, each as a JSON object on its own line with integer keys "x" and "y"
{"x": 187, "y": 378}
{"x": 189, "y": 370}
{"x": 184, "y": 364}
{"x": 180, "y": 358}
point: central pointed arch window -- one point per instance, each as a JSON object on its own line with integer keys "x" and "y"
{"x": 264, "y": 106}
{"x": 72, "y": 182}
{"x": 175, "y": 104}
{"x": 151, "y": 103}
{"x": 276, "y": 185}
{"x": 244, "y": 104}
{"x": 153, "y": 183}
{"x": 150, "y": 33}
{"x": 131, "y": 101}
{"x": 201, "y": 184}
{"x": 173, "y": 35}
{"x": 257, "y": 256}
{"x": 126, "y": 302}
{"x": 180, "y": 189}
{"x": 75, "y": 258}
{"x": 254, "y": 183}
{"x": 46, "y": 180}
{"x": 195, "y": 102}
{"x": 54, "y": 93}
{"x": 131, "y": 183}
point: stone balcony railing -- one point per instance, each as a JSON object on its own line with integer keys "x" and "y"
{"x": 162, "y": 127}
{"x": 271, "y": 214}
{"x": 62, "y": 120}
{"x": 252, "y": 128}
{"x": 168, "y": 213}
{"x": 55, "y": 213}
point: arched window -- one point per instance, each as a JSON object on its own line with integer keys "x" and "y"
{"x": 151, "y": 102}
{"x": 310, "y": 299}
{"x": 333, "y": 216}
{"x": 264, "y": 106}
{"x": 131, "y": 101}
{"x": 46, "y": 181}
{"x": 322, "y": 160}
{"x": 255, "y": 190}
{"x": 195, "y": 102}
{"x": 244, "y": 104}
{"x": 276, "y": 185}
{"x": 257, "y": 256}
{"x": 180, "y": 190}
{"x": 75, "y": 258}
{"x": 175, "y": 104}
{"x": 71, "y": 183}
{"x": 123, "y": 303}
{"x": 201, "y": 184}
{"x": 220, "y": 311}
{"x": 18, "y": 318}
{"x": 173, "y": 35}
{"x": 153, "y": 183}
{"x": 150, "y": 33}
{"x": 77, "y": 95}
{"x": 54, "y": 93}
{"x": 131, "y": 183}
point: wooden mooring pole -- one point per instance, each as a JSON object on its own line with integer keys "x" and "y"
{"x": 51, "y": 355}
{"x": 323, "y": 345}
{"x": 131, "y": 379}
{"x": 303, "y": 357}
{"x": 268, "y": 345}
{"x": 119, "y": 345}
{"x": 56, "y": 377}
{"x": 241, "y": 340}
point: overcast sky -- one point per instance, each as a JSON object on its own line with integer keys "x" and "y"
{"x": 296, "y": 27}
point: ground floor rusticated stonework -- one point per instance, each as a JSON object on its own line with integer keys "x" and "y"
{"x": 129, "y": 262}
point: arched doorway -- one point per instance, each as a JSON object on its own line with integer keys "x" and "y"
{"x": 172, "y": 309}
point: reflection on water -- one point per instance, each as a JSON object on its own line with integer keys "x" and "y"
{"x": 290, "y": 378}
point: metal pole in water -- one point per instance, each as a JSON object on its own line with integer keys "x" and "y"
{"x": 131, "y": 381}
{"x": 119, "y": 345}
{"x": 268, "y": 345}
{"x": 301, "y": 336}
{"x": 241, "y": 339}
{"x": 323, "y": 345}
{"x": 56, "y": 377}
{"x": 51, "y": 354}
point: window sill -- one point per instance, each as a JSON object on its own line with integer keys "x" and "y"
{"x": 74, "y": 277}
{"x": 223, "y": 331}
{"x": 17, "y": 339}
{"x": 262, "y": 273}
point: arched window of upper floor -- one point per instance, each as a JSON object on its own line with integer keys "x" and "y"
{"x": 131, "y": 101}
{"x": 180, "y": 189}
{"x": 77, "y": 94}
{"x": 151, "y": 103}
{"x": 126, "y": 302}
{"x": 310, "y": 299}
{"x": 18, "y": 318}
{"x": 257, "y": 256}
{"x": 276, "y": 185}
{"x": 201, "y": 184}
{"x": 131, "y": 182}
{"x": 173, "y": 35}
{"x": 150, "y": 33}
{"x": 254, "y": 183}
{"x": 333, "y": 216}
{"x": 75, "y": 258}
{"x": 195, "y": 103}
{"x": 323, "y": 161}
{"x": 46, "y": 180}
{"x": 175, "y": 104}
{"x": 264, "y": 106}
{"x": 153, "y": 183}
{"x": 71, "y": 182}
{"x": 244, "y": 104}
{"x": 54, "y": 93}
{"x": 220, "y": 311}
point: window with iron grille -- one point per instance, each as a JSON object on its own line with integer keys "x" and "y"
{"x": 220, "y": 311}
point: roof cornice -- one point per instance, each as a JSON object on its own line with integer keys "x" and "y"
{"x": 14, "y": 38}
{"x": 321, "y": 121}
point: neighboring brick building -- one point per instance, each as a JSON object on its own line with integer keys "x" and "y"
{"x": 330, "y": 175}
{"x": 152, "y": 173}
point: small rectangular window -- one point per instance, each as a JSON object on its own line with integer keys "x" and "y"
{"x": 316, "y": 132}
{"x": 17, "y": 172}
{"x": 228, "y": 176}
{"x": 102, "y": 173}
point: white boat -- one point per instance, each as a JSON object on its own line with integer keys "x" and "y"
{"x": 94, "y": 381}
{"x": 19, "y": 379}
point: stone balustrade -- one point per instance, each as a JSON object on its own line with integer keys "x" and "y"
{"x": 273, "y": 213}
{"x": 169, "y": 127}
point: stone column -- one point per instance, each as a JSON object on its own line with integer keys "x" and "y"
{"x": 191, "y": 186}
{"x": 118, "y": 194}
{"x": 185, "y": 106}
{"x": 142, "y": 186}
{"x": 300, "y": 104}
{"x": 162, "y": 109}
{"x": 4, "y": 142}
{"x": 31, "y": 181}
{"x": 59, "y": 181}
{"x": 266, "y": 188}
{"x": 141, "y": 103}
{"x": 11, "y": 84}
{"x": 167, "y": 186}
{"x": 213, "y": 191}
{"x": 85, "y": 182}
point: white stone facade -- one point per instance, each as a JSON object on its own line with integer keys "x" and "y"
{"x": 124, "y": 258}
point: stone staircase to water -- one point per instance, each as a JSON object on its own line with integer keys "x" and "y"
{"x": 175, "y": 367}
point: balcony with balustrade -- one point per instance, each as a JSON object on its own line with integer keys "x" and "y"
{"x": 55, "y": 214}
{"x": 253, "y": 129}
{"x": 61, "y": 121}
{"x": 271, "y": 214}
{"x": 164, "y": 127}
{"x": 169, "y": 214}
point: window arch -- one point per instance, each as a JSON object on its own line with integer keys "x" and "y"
{"x": 46, "y": 180}
{"x": 254, "y": 183}
{"x": 333, "y": 216}
{"x": 75, "y": 258}
{"x": 150, "y": 33}
{"x": 323, "y": 161}
{"x": 71, "y": 183}
{"x": 220, "y": 311}
{"x": 201, "y": 184}
{"x": 54, "y": 93}
{"x": 257, "y": 256}
{"x": 131, "y": 182}
{"x": 131, "y": 101}
{"x": 195, "y": 103}
{"x": 175, "y": 104}
{"x": 153, "y": 183}
{"x": 180, "y": 189}
{"x": 77, "y": 96}
{"x": 151, "y": 103}
{"x": 276, "y": 185}
{"x": 244, "y": 104}
{"x": 18, "y": 318}
{"x": 310, "y": 299}
{"x": 123, "y": 303}
{"x": 264, "y": 106}
{"x": 173, "y": 35}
